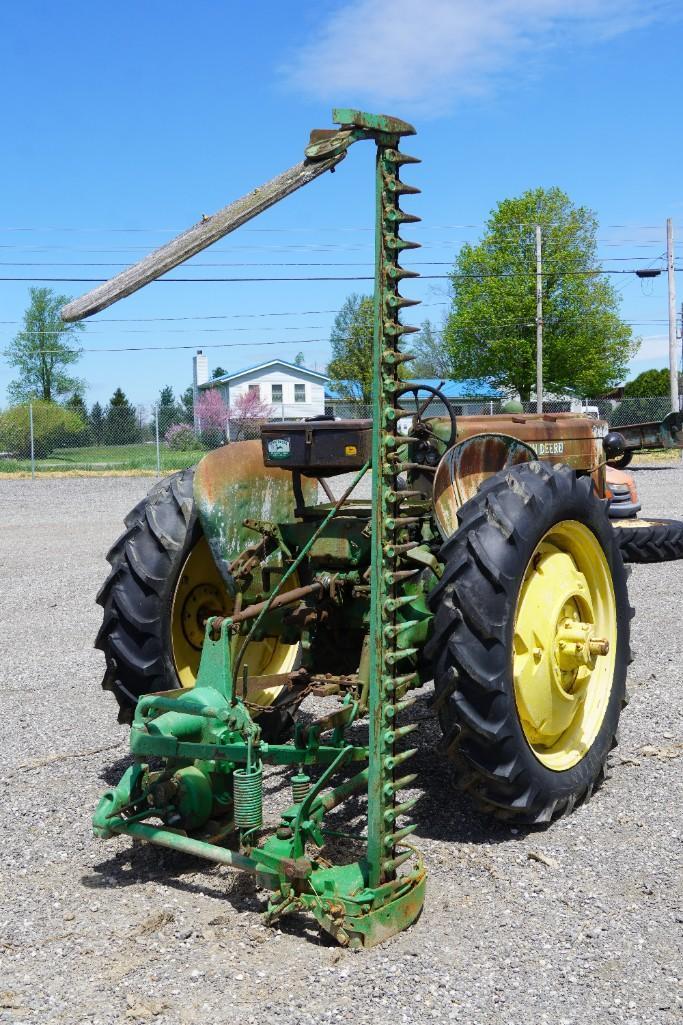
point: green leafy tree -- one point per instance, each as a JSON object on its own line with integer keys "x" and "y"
{"x": 350, "y": 368}
{"x": 491, "y": 331}
{"x": 168, "y": 409}
{"x": 218, "y": 372}
{"x": 649, "y": 384}
{"x": 43, "y": 350}
{"x": 431, "y": 356}
{"x": 187, "y": 405}
{"x": 76, "y": 404}
{"x": 299, "y": 360}
{"x": 121, "y": 422}
{"x": 54, "y": 427}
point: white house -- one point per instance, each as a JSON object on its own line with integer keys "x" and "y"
{"x": 292, "y": 392}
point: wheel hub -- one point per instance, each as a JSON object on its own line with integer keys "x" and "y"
{"x": 203, "y": 601}
{"x": 561, "y": 647}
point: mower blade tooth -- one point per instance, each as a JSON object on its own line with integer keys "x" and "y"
{"x": 401, "y": 329}
{"x": 399, "y": 244}
{"x": 391, "y": 814}
{"x": 391, "y": 761}
{"x": 391, "y": 864}
{"x": 399, "y": 302}
{"x": 397, "y": 216}
{"x": 402, "y": 731}
{"x": 404, "y": 781}
{"x": 399, "y": 273}
{"x": 393, "y": 838}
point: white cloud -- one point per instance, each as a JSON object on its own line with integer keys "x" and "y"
{"x": 429, "y": 53}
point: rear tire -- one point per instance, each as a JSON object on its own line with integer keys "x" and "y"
{"x": 653, "y": 541}
{"x": 137, "y": 597}
{"x": 504, "y": 535}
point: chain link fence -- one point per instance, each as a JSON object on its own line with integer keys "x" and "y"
{"x": 46, "y": 437}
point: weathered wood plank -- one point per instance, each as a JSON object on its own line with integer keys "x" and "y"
{"x": 196, "y": 238}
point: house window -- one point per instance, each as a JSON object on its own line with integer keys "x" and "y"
{"x": 299, "y": 392}
{"x": 276, "y": 393}
{"x": 255, "y": 389}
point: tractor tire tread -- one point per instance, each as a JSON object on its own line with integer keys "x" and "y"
{"x": 474, "y": 606}
{"x": 659, "y": 541}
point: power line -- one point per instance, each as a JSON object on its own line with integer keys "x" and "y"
{"x": 168, "y": 348}
{"x": 489, "y": 324}
{"x": 259, "y": 263}
{"x": 308, "y": 228}
{"x": 332, "y": 277}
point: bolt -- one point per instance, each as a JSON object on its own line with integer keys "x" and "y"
{"x": 599, "y": 646}
{"x": 538, "y": 654}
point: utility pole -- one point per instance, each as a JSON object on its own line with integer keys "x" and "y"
{"x": 673, "y": 348}
{"x": 539, "y": 322}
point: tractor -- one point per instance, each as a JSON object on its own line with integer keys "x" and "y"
{"x": 484, "y": 560}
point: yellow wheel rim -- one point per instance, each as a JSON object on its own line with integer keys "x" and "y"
{"x": 200, "y": 593}
{"x": 564, "y": 647}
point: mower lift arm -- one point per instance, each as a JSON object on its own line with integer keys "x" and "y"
{"x": 325, "y": 150}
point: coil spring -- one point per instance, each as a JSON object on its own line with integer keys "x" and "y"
{"x": 248, "y": 795}
{"x": 301, "y": 784}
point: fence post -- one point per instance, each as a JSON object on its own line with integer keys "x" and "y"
{"x": 156, "y": 433}
{"x": 33, "y": 453}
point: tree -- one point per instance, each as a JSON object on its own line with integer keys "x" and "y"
{"x": 186, "y": 408}
{"x": 491, "y": 331}
{"x": 212, "y": 416}
{"x": 54, "y": 427}
{"x": 76, "y": 404}
{"x": 167, "y": 408}
{"x": 431, "y": 356}
{"x": 299, "y": 360}
{"x": 649, "y": 384}
{"x": 247, "y": 412}
{"x": 97, "y": 424}
{"x": 218, "y": 372}
{"x": 43, "y": 349}
{"x": 121, "y": 425}
{"x": 350, "y": 368}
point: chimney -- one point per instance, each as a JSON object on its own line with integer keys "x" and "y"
{"x": 200, "y": 372}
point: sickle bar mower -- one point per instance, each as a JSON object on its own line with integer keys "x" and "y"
{"x": 208, "y": 790}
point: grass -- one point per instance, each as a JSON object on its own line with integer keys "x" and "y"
{"x": 141, "y": 459}
{"x": 657, "y": 455}
{"x": 103, "y": 459}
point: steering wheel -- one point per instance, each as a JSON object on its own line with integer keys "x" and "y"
{"x": 421, "y": 429}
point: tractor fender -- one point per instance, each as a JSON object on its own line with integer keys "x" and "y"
{"x": 466, "y": 466}
{"x": 231, "y": 485}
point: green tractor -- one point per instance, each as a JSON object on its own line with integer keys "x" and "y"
{"x": 482, "y": 559}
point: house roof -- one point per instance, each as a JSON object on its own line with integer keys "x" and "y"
{"x": 451, "y": 389}
{"x": 225, "y": 378}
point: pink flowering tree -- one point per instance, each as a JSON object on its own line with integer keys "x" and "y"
{"x": 211, "y": 417}
{"x": 246, "y": 414}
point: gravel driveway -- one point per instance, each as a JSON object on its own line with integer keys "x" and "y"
{"x": 579, "y": 922}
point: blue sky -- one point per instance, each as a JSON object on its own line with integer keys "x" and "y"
{"x": 144, "y": 116}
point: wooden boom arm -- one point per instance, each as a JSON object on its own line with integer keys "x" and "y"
{"x": 192, "y": 241}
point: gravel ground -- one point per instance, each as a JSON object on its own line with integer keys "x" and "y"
{"x": 116, "y": 932}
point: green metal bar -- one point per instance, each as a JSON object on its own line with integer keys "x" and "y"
{"x": 188, "y": 845}
{"x": 143, "y": 743}
{"x": 377, "y": 585}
